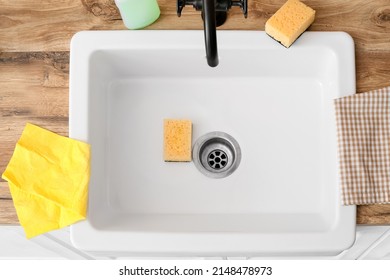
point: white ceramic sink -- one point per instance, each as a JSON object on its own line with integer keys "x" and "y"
{"x": 276, "y": 102}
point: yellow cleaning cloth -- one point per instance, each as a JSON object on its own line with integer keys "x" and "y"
{"x": 48, "y": 177}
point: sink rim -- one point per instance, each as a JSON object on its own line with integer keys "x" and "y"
{"x": 96, "y": 40}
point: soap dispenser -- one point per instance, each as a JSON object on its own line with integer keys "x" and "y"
{"x": 137, "y": 14}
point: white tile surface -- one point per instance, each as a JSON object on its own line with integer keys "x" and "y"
{"x": 372, "y": 243}
{"x": 14, "y": 245}
{"x": 378, "y": 250}
{"x": 365, "y": 237}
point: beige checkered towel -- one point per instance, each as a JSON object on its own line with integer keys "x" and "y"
{"x": 363, "y": 129}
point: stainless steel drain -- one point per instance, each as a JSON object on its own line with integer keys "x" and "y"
{"x": 217, "y": 159}
{"x": 216, "y": 154}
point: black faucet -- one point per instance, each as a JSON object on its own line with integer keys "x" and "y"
{"x": 214, "y": 13}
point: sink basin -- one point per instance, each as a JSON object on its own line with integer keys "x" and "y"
{"x": 277, "y": 103}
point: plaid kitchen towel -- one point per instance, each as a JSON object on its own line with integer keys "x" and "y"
{"x": 363, "y": 129}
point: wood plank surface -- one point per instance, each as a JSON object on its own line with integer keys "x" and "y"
{"x": 33, "y": 88}
{"x": 4, "y": 191}
{"x": 34, "y": 59}
{"x": 7, "y": 210}
{"x": 373, "y": 214}
{"x": 7, "y": 214}
{"x": 27, "y": 26}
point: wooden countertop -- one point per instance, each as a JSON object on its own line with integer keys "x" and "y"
{"x": 34, "y": 59}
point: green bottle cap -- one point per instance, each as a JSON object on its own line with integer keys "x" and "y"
{"x": 137, "y": 14}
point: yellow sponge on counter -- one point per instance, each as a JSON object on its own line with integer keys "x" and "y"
{"x": 289, "y": 22}
{"x": 177, "y": 140}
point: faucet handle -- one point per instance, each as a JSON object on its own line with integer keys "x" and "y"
{"x": 197, "y": 4}
{"x": 243, "y": 4}
{"x": 221, "y": 5}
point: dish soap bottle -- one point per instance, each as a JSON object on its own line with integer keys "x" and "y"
{"x": 137, "y": 14}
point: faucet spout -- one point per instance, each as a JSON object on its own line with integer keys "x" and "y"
{"x": 214, "y": 13}
{"x": 210, "y": 32}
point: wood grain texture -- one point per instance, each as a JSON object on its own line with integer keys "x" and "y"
{"x": 7, "y": 214}
{"x": 34, "y": 59}
{"x": 4, "y": 191}
{"x": 33, "y": 88}
{"x": 49, "y": 25}
{"x": 374, "y": 214}
{"x": 7, "y": 209}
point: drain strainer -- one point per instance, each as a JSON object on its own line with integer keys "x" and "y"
{"x": 216, "y": 154}
{"x": 217, "y": 159}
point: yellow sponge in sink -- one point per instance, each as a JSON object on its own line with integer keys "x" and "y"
{"x": 177, "y": 140}
{"x": 289, "y": 22}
